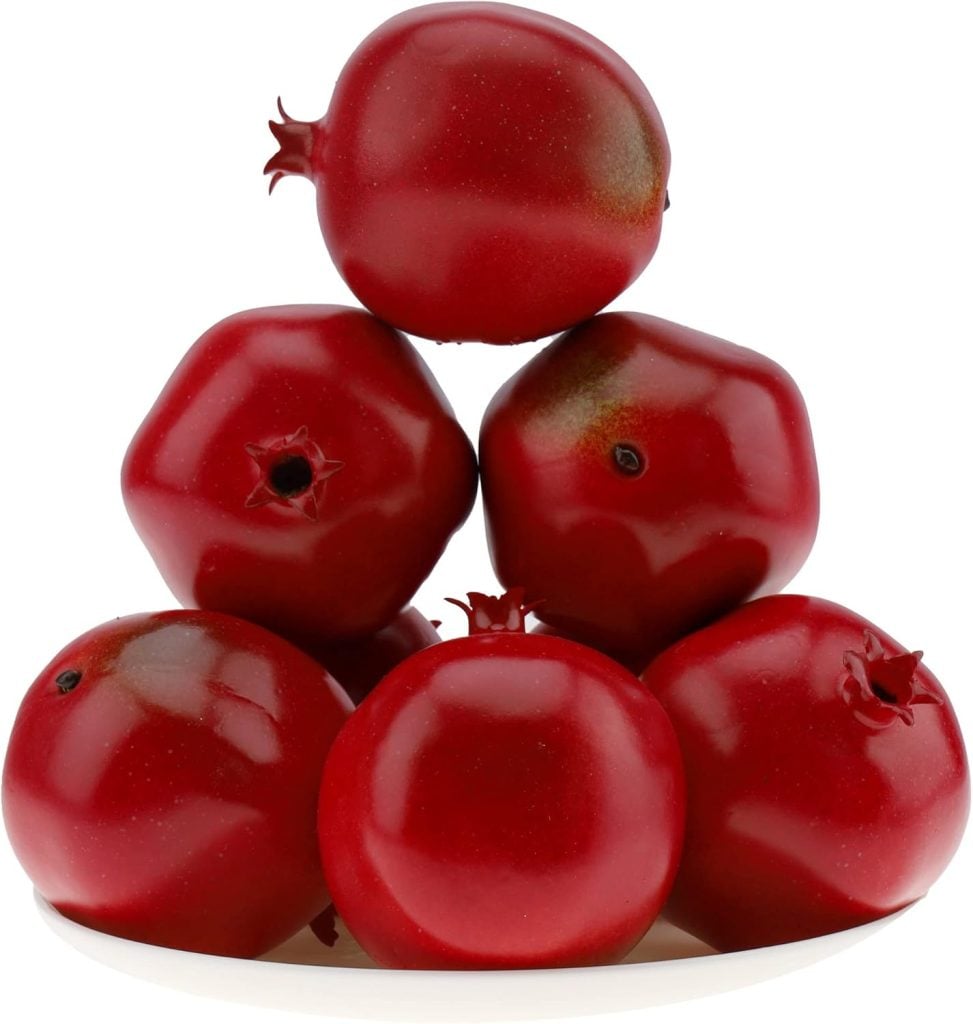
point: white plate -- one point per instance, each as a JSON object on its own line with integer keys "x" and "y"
{"x": 302, "y": 975}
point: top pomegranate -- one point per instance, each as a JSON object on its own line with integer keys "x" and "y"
{"x": 484, "y": 172}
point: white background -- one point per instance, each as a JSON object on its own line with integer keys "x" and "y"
{"x": 821, "y": 213}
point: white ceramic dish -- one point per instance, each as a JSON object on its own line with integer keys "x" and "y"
{"x": 302, "y": 975}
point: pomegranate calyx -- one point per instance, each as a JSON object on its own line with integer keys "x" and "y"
{"x": 68, "y": 680}
{"x": 324, "y": 926}
{"x": 882, "y": 688}
{"x": 296, "y": 140}
{"x": 504, "y": 614}
{"x": 292, "y": 471}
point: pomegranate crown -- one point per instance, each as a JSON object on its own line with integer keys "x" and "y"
{"x": 504, "y": 614}
{"x": 882, "y": 688}
{"x": 296, "y": 140}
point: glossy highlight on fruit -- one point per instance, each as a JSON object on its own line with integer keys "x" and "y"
{"x": 162, "y": 777}
{"x": 827, "y": 780}
{"x": 641, "y": 478}
{"x": 502, "y": 800}
{"x": 301, "y": 469}
{"x": 484, "y": 172}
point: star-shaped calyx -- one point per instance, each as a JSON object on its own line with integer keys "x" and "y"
{"x": 882, "y": 688}
{"x": 504, "y": 614}
{"x": 293, "y": 471}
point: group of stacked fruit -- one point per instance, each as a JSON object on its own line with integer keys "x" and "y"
{"x": 782, "y": 768}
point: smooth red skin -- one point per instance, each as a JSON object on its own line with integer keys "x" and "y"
{"x": 408, "y": 480}
{"x": 488, "y": 173}
{"x": 725, "y": 510}
{"x": 543, "y": 629}
{"x": 171, "y": 797}
{"x": 360, "y": 665}
{"x": 502, "y": 801}
{"x": 802, "y": 819}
